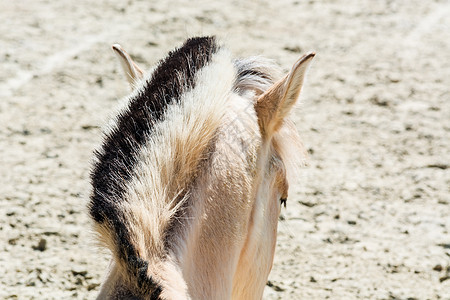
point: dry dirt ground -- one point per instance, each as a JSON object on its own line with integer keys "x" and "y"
{"x": 369, "y": 218}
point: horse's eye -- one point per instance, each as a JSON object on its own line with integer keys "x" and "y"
{"x": 283, "y": 201}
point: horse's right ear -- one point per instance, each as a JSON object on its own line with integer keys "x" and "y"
{"x": 274, "y": 105}
{"x": 131, "y": 69}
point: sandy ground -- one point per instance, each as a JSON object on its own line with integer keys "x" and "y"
{"x": 369, "y": 218}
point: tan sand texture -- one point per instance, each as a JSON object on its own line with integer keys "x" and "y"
{"x": 369, "y": 218}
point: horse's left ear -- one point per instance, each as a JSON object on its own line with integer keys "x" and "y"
{"x": 131, "y": 69}
{"x": 275, "y": 104}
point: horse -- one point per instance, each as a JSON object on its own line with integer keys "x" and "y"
{"x": 188, "y": 183}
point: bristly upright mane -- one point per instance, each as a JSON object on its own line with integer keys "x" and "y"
{"x": 174, "y": 75}
{"x": 119, "y": 153}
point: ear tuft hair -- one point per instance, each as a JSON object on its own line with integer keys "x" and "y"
{"x": 273, "y": 106}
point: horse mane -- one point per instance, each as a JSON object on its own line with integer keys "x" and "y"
{"x": 154, "y": 148}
